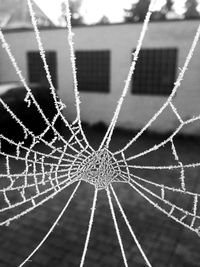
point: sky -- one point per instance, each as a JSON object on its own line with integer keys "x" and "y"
{"x": 93, "y": 10}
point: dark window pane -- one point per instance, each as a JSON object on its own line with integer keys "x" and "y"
{"x": 36, "y": 70}
{"x": 93, "y": 70}
{"x": 155, "y": 72}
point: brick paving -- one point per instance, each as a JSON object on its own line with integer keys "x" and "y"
{"x": 166, "y": 243}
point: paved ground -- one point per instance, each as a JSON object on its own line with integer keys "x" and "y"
{"x": 166, "y": 243}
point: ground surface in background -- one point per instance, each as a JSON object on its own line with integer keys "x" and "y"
{"x": 165, "y": 242}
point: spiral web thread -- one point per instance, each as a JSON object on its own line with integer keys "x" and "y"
{"x": 45, "y": 174}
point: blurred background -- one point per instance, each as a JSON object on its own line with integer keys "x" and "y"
{"x": 51, "y": 13}
{"x": 106, "y": 35}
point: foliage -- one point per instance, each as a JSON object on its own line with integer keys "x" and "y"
{"x": 137, "y": 11}
{"x": 104, "y": 20}
{"x": 76, "y": 17}
{"x": 191, "y": 9}
{"x": 169, "y": 5}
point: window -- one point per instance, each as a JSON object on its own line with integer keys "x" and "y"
{"x": 93, "y": 71}
{"x": 155, "y": 72}
{"x": 36, "y": 70}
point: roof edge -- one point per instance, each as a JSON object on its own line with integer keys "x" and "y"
{"x": 24, "y": 29}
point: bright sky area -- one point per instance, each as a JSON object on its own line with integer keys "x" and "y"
{"x": 93, "y": 10}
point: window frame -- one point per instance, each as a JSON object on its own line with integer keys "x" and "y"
{"x": 95, "y": 67}
{"x": 152, "y": 83}
{"x": 51, "y": 55}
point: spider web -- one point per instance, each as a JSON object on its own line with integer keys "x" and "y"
{"x": 45, "y": 174}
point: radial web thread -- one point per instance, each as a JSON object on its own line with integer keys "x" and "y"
{"x": 74, "y": 160}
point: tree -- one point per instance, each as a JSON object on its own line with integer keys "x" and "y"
{"x": 137, "y": 12}
{"x": 191, "y": 9}
{"x": 168, "y": 10}
{"x": 76, "y": 17}
{"x": 104, "y": 20}
{"x": 169, "y": 5}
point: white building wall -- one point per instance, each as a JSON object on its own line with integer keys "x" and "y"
{"x": 120, "y": 40}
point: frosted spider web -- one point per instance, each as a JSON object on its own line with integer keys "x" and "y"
{"x": 74, "y": 161}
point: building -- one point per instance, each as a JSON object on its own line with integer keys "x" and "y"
{"x": 15, "y": 14}
{"x": 104, "y": 56}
